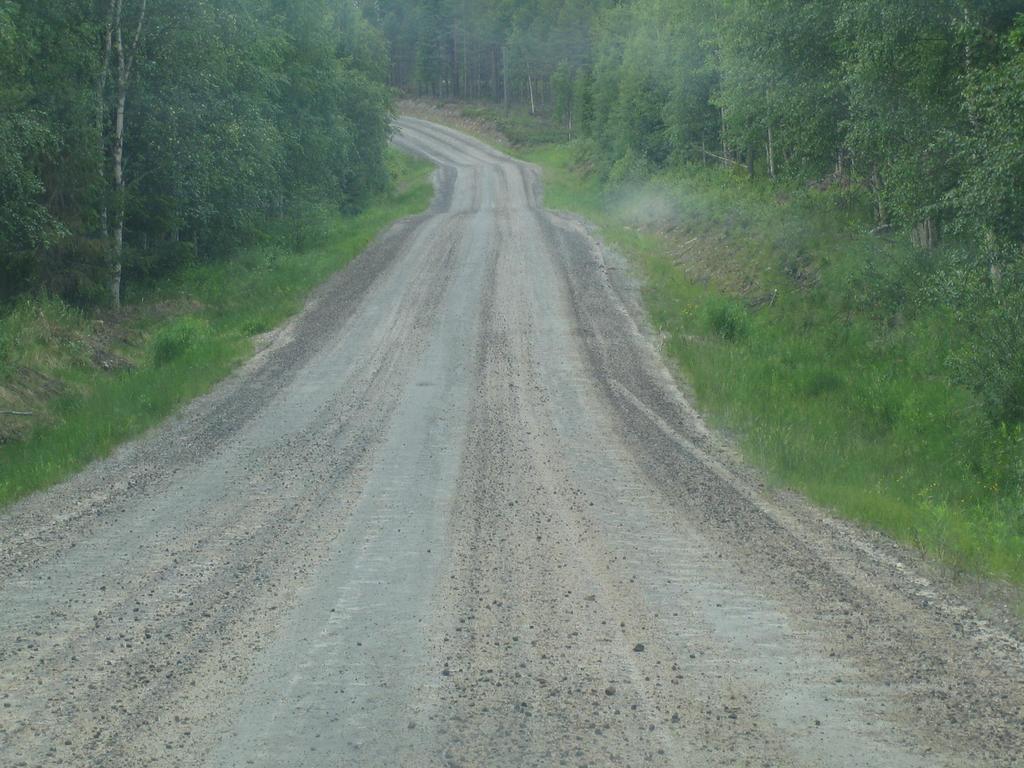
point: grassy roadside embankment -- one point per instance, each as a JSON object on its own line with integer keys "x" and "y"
{"x": 92, "y": 382}
{"x": 821, "y": 347}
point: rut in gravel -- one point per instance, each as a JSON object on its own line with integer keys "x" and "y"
{"x": 458, "y": 513}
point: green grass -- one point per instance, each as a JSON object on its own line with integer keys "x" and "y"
{"x": 816, "y": 344}
{"x": 179, "y": 357}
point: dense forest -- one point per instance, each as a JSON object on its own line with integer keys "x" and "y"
{"x": 911, "y": 109}
{"x": 918, "y": 101}
{"x": 140, "y": 135}
{"x": 135, "y": 134}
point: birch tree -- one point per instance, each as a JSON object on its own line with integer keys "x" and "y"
{"x": 122, "y": 35}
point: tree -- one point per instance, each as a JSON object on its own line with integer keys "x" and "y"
{"x": 562, "y": 89}
{"x": 25, "y": 224}
{"x": 989, "y": 198}
{"x": 121, "y": 38}
{"x": 139, "y": 135}
{"x": 779, "y": 89}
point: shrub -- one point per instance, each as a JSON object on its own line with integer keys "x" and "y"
{"x": 176, "y": 338}
{"x": 992, "y": 363}
{"x": 309, "y": 225}
{"x": 728, "y": 320}
{"x": 586, "y": 155}
{"x": 821, "y": 382}
{"x": 631, "y": 168}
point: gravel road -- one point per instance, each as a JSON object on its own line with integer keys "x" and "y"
{"x": 458, "y": 513}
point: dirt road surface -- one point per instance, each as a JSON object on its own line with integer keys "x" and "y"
{"x": 458, "y": 513}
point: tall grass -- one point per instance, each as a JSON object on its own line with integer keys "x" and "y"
{"x": 180, "y": 357}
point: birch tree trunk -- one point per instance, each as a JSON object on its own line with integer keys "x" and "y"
{"x": 118, "y": 160}
{"x": 494, "y": 74}
{"x": 504, "y": 77}
{"x": 125, "y": 61}
{"x": 725, "y": 143}
{"x": 101, "y": 109}
{"x": 456, "y": 84}
{"x": 926, "y": 234}
{"x": 881, "y": 214}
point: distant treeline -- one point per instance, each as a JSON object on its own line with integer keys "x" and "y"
{"x": 138, "y": 135}
{"x": 920, "y": 103}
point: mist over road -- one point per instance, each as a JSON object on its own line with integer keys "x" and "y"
{"x": 458, "y": 513}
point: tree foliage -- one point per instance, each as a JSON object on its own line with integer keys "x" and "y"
{"x": 913, "y": 107}
{"x": 234, "y": 112}
{"x": 916, "y": 101}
